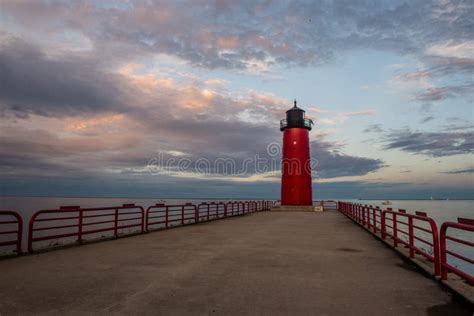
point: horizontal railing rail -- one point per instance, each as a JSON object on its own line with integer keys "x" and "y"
{"x": 76, "y": 222}
{"x": 11, "y": 231}
{"x": 463, "y": 225}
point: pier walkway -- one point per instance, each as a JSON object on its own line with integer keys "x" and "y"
{"x": 263, "y": 263}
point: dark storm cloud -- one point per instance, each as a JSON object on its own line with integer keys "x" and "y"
{"x": 32, "y": 83}
{"x": 435, "y": 144}
{"x": 331, "y": 163}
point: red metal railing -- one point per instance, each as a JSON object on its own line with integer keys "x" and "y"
{"x": 210, "y": 211}
{"x": 165, "y": 216}
{"x": 415, "y": 231}
{"x": 413, "y": 226}
{"x": 388, "y": 223}
{"x": 463, "y": 225}
{"x": 234, "y": 208}
{"x": 11, "y": 224}
{"x": 329, "y": 205}
{"x": 73, "y": 224}
{"x": 368, "y": 216}
{"x": 74, "y": 221}
{"x": 268, "y": 205}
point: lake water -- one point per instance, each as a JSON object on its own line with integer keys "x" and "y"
{"x": 440, "y": 211}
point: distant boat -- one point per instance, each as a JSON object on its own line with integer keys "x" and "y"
{"x": 387, "y": 202}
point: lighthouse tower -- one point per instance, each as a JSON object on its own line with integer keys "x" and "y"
{"x": 296, "y": 182}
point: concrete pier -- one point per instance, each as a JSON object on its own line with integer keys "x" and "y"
{"x": 269, "y": 263}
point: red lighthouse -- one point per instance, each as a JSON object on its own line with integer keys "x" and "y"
{"x": 296, "y": 182}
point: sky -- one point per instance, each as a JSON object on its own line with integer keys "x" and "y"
{"x": 155, "y": 98}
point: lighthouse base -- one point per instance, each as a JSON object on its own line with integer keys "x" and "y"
{"x": 297, "y": 208}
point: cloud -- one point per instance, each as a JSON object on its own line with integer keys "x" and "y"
{"x": 469, "y": 170}
{"x": 34, "y": 84}
{"x": 253, "y": 35}
{"x": 337, "y": 118}
{"x": 427, "y": 119}
{"x": 373, "y": 128}
{"x": 452, "y": 49}
{"x": 79, "y": 97}
{"x": 331, "y": 163}
{"x": 453, "y": 58}
{"x": 73, "y": 117}
{"x": 435, "y": 144}
{"x": 445, "y": 92}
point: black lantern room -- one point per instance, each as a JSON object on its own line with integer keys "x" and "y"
{"x": 295, "y": 118}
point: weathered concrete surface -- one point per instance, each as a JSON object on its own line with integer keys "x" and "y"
{"x": 264, "y": 263}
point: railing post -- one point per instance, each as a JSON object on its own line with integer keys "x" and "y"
{"x": 395, "y": 233}
{"x": 30, "y": 233}
{"x": 19, "y": 237}
{"x": 368, "y": 218}
{"x": 375, "y": 220}
{"x": 147, "y": 214}
{"x": 208, "y": 205}
{"x": 116, "y": 223}
{"x": 442, "y": 243}
{"x": 364, "y": 219}
{"x": 143, "y": 219}
{"x": 411, "y": 240}
{"x": 166, "y": 216}
{"x": 182, "y": 215}
{"x": 382, "y": 225}
{"x": 196, "y": 214}
{"x": 79, "y": 228}
{"x": 436, "y": 247}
